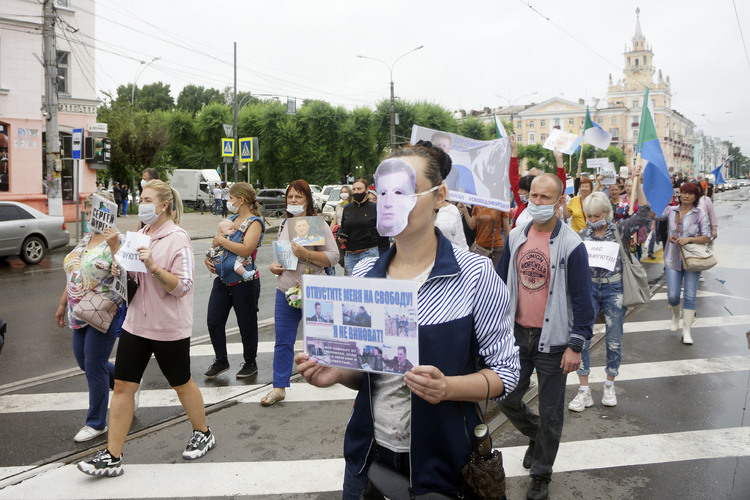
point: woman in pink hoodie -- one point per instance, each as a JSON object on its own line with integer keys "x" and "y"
{"x": 159, "y": 322}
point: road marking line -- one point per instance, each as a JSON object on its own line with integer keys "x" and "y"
{"x": 236, "y": 348}
{"x": 303, "y": 392}
{"x": 663, "y": 295}
{"x": 230, "y": 479}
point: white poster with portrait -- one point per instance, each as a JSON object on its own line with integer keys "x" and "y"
{"x": 367, "y": 324}
{"x": 479, "y": 175}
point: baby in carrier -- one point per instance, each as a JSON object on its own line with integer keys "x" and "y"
{"x": 226, "y": 228}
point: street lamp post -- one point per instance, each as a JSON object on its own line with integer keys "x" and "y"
{"x": 138, "y": 73}
{"x": 393, "y": 98}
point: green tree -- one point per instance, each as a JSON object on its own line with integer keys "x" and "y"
{"x": 537, "y": 157}
{"x": 192, "y": 98}
{"x": 475, "y": 128}
{"x": 154, "y": 96}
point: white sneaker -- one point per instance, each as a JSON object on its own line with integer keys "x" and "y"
{"x": 609, "y": 398}
{"x": 582, "y": 401}
{"x": 88, "y": 433}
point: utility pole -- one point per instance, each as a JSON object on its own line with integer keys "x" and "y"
{"x": 52, "y": 158}
{"x": 236, "y": 153}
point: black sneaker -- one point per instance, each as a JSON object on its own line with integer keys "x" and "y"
{"x": 199, "y": 445}
{"x": 247, "y": 370}
{"x": 215, "y": 370}
{"x": 103, "y": 464}
{"x": 538, "y": 489}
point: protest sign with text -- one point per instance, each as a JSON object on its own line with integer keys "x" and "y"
{"x": 602, "y": 253}
{"x": 283, "y": 255}
{"x": 565, "y": 142}
{"x": 128, "y": 257}
{"x": 479, "y": 175}
{"x": 608, "y": 173}
{"x": 103, "y": 214}
{"x": 365, "y": 324}
{"x": 597, "y": 163}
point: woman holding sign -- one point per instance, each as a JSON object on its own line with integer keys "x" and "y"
{"x": 606, "y": 287}
{"x": 310, "y": 260}
{"x": 418, "y": 424}
{"x": 159, "y": 322}
{"x": 89, "y": 267}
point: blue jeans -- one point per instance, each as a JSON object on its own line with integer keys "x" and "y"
{"x": 652, "y": 241}
{"x": 243, "y": 299}
{"x": 351, "y": 258}
{"x": 286, "y": 319}
{"x": 217, "y": 206}
{"x": 124, "y": 207}
{"x": 674, "y": 287}
{"x": 92, "y": 349}
{"x": 544, "y": 429}
{"x": 607, "y": 297}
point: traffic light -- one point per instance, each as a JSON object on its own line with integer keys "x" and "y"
{"x": 98, "y": 149}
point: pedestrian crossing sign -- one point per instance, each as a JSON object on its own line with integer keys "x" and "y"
{"x": 227, "y": 147}
{"x": 246, "y": 149}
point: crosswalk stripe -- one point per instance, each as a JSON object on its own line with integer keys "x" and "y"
{"x": 159, "y": 398}
{"x": 302, "y": 392}
{"x": 326, "y": 475}
{"x": 236, "y": 348}
{"x": 701, "y": 293}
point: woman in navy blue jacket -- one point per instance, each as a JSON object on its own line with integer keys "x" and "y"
{"x": 420, "y": 423}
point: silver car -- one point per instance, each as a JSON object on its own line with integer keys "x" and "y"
{"x": 29, "y": 233}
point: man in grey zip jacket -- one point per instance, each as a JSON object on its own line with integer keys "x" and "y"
{"x": 545, "y": 267}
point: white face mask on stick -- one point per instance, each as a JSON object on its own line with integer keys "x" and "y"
{"x": 396, "y": 186}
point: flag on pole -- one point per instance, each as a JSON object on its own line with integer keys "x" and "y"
{"x": 718, "y": 178}
{"x": 218, "y": 170}
{"x": 499, "y": 129}
{"x": 657, "y": 183}
{"x": 594, "y": 134}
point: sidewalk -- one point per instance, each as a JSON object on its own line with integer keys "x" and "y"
{"x": 198, "y": 225}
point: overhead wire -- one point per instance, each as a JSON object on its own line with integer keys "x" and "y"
{"x": 742, "y": 36}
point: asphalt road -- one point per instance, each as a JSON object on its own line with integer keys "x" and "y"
{"x": 680, "y": 429}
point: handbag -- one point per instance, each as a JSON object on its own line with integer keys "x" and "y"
{"x": 635, "y": 289}
{"x": 479, "y": 250}
{"x": 696, "y": 257}
{"x": 96, "y": 310}
{"x": 484, "y": 473}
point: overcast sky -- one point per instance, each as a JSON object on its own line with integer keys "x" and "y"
{"x": 476, "y": 53}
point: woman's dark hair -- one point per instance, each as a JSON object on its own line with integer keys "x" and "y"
{"x": 439, "y": 164}
{"x": 689, "y": 187}
{"x": 152, "y": 174}
{"x": 525, "y": 182}
{"x": 302, "y": 187}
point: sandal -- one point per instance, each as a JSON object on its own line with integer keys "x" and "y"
{"x": 272, "y": 398}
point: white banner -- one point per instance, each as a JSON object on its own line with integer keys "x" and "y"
{"x": 103, "y": 214}
{"x": 597, "y": 163}
{"x": 364, "y": 324}
{"x": 565, "y": 142}
{"x": 128, "y": 257}
{"x": 479, "y": 175}
{"x": 602, "y": 253}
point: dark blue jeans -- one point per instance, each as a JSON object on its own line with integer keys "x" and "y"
{"x": 286, "y": 319}
{"x": 92, "y": 349}
{"x": 546, "y": 428}
{"x": 243, "y": 299}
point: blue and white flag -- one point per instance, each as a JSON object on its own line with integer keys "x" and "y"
{"x": 594, "y": 134}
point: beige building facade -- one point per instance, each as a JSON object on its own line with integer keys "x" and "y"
{"x": 619, "y": 113}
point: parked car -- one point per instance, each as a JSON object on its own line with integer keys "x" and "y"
{"x": 29, "y": 233}
{"x": 272, "y": 202}
{"x": 324, "y": 194}
{"x": 316, "y": 191}
{"x": 329, "y": 210}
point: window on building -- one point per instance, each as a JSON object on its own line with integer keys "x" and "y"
{"x": 634, "y": 134}
{"x": 532, "y": 138}
{"x": 519, "y": 125}
{"x": 635, "y": 103}
{"x": 636, "y": 62}
{"x": 571, "y": 121}
{"x": 544, "y": 137}
{"x": 531, "y": 123}
{"x": 542, "y": 123}
{"x": 614, "y": 120}
{"x": 63, "y": 73}
{"x": 62, "y": 3}
{"x": 599, "y": 120}
{"x": 614, "y": 132}
{"x": 557, "y": 122}
{"x": 66, "y": 174}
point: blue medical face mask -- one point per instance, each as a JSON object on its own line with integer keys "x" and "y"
{"x": 596, "y": 225}
{"x": 541, "y": 213}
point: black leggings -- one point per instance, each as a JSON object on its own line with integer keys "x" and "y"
{"x": 134, "y": 352}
